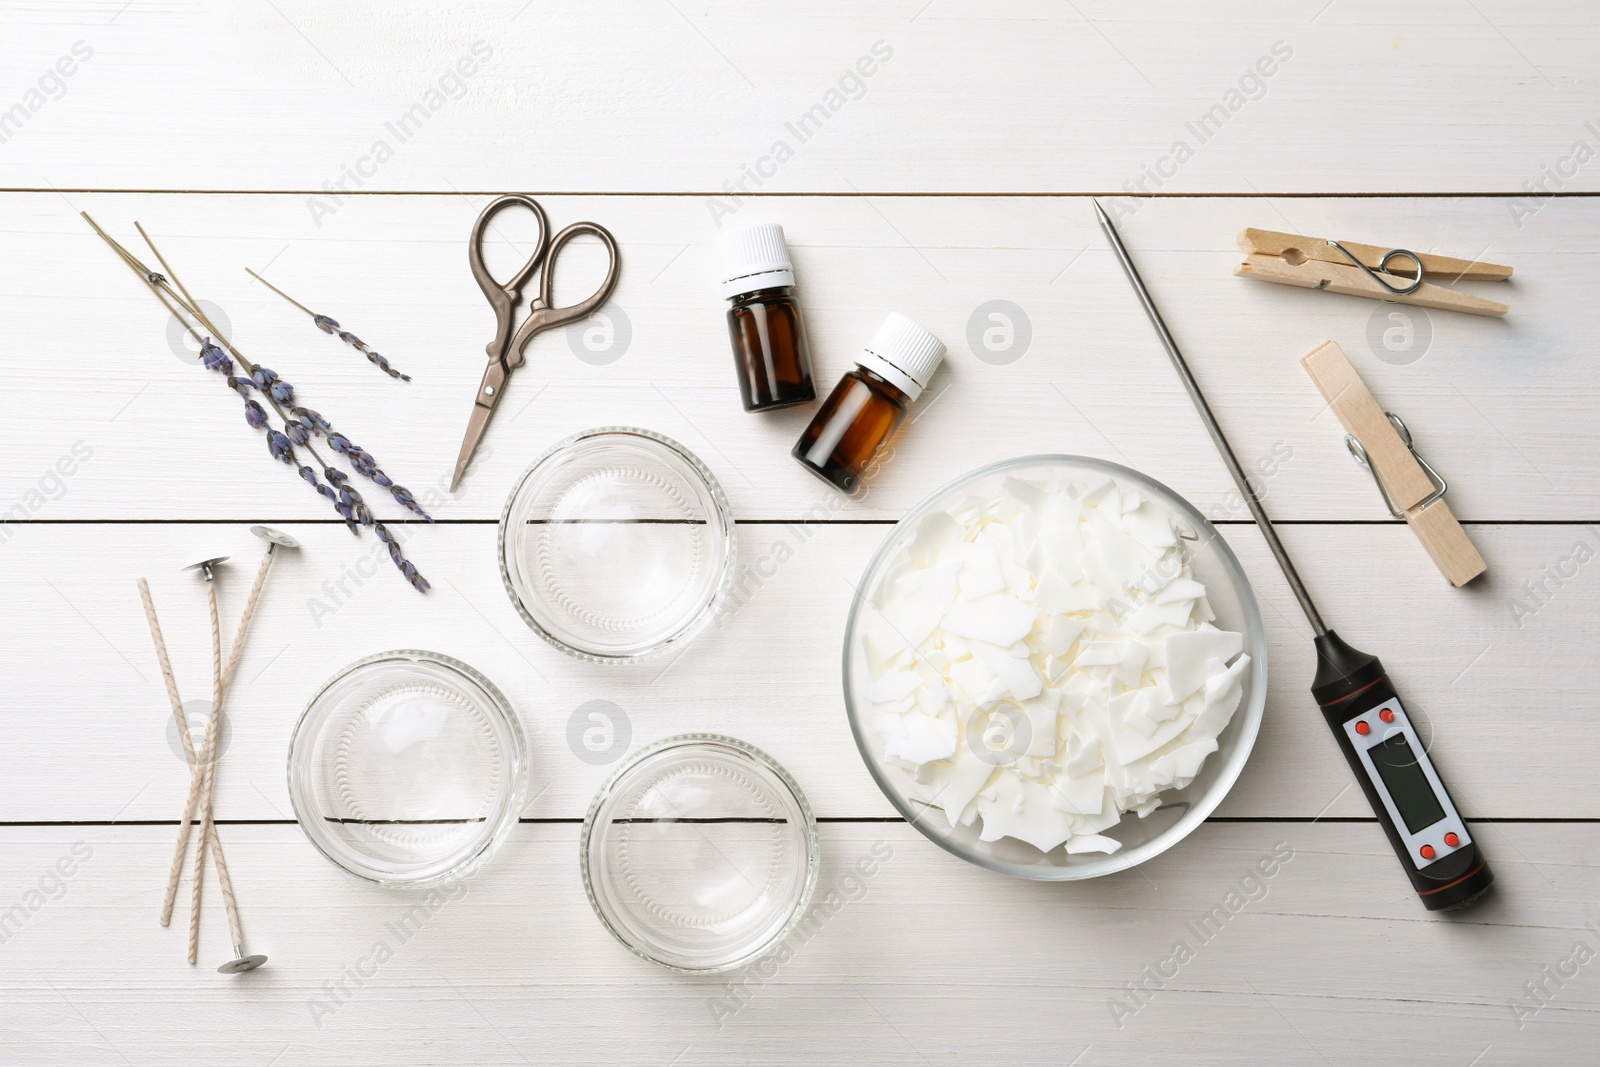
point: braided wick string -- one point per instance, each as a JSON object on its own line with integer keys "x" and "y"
{"x": 222, "y": 681}
{"x": 203, "y": 772}
{"x": 234, "y": 652}
{"x": 226, "y": 883}
{"x": 183, "y": 733}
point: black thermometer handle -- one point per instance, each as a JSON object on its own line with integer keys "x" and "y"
{"x": 1431, "y": 840}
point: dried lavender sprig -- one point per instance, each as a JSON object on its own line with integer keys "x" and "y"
{"x": 362, "y": 460}
{"x": 418, "y": 582}
{"x": 280, "y": 443}
{"x": 304, "y": 424}
{"x": 329, "y": 326}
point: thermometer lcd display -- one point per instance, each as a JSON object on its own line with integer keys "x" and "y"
{"x": 1408, "y": 786}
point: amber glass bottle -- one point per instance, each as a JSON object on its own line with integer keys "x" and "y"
{"x": 764, "y": 324}
{"x": 868, "y": 404}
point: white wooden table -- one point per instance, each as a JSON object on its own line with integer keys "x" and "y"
{"x": 952, "y": 176}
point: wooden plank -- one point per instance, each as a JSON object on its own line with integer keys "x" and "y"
{"x": 959, "y": 97}
{"x": 1497, "y": 674}
{"x": 912, "y": 957}
{"x": 1504, "y": 410}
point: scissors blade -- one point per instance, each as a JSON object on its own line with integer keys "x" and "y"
{"x": 489, "y": 393}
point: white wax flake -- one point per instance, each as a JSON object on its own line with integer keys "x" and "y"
{"x": 1180, "y": 589}
{"x": 1056, "y": 594}
{"x": 934, "y": 532}
{"x": 953, "y": 783}
{"x": 1103, "y": 493}
{"x": 1188, "y": 655}
{"x": 1060, "y": 634}
{"x": 1092, "y": 843}
{"x": 999, "y": 619}
{"x": 975, "y": 681}
{"x": 926, "y": 739}
{"x": 932, "y": 699}
{"x": 1042, "y": 719}
{"x": 1150, "y": 526}
{"x": 894, "y": 686}
{"x": 913, "y": 617}
{"x": 1069, "y": 612}
{"x": 981, "y": 573}
{"x": 1017, "y": 675}
{"x": 1099, "y": 654}
{"x": 1152, "y": 615}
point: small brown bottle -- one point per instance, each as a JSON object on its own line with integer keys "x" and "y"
{"x": 868, "y": 404}
{"x": 764, "y": 324}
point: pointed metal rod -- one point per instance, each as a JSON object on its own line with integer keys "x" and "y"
{"x": 1257, "y": 510}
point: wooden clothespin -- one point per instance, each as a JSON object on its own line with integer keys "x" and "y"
{"x": 1380, "y": 442}
{"x": 1365, "y": 270}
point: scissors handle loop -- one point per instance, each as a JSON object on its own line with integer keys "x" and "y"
{"x": 543, "y": 314}
{"x": 504, "y": 297}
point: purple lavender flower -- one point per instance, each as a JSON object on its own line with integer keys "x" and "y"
{"x": 418, "y": 582}
{"x": 212, "y": 357}
{"x": 358, "y": 508}
{"x": 379, "y": 361}
{"x": 310, "y": 476}
{"x": 365, "y": 463}
{"x": 331, "y": 326}
{"x": 242, "y": 386}
{"x": 314, "y": 422}
{"x": 254, "y": 414}
{"x": 297, "y": 432}
{"x": 269, "y": 382}
{"x": 403, "y": 496}
{"x": 281, "y": 448}
{"x": 409, "y": 570}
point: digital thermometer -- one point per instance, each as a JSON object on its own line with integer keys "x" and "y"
{"x": 1394, "y": 769}
{"x": 1353, "y": 690}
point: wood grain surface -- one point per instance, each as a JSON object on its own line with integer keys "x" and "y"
{"x": 933, "y": 158}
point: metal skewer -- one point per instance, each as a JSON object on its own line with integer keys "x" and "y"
{"x": 1257, "y": 511}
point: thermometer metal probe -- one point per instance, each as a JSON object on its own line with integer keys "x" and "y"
{"x": 1357, "y": 699}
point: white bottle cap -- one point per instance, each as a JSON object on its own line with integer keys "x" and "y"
{"x": 754, "y": 257}
{"x": 903, "y": 353}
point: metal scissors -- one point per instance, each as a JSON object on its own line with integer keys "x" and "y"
{"x": 506, "y": 351}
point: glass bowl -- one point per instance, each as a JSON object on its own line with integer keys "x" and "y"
{"x": 408, "y": 768}
{"x": 700, "y": 853}
{"x": 1211, "y": 562}
{"x": 616, "y": 544}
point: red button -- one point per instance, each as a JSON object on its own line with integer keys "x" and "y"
{"x": 1386, "y": 715}
{"x": 1363, "y": 729}
{"x": 1452, "y": 840}
{"x": 1427, "y": 852}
